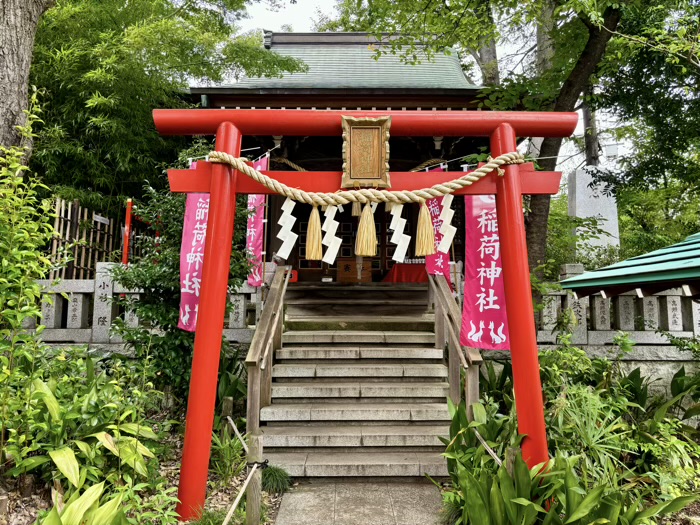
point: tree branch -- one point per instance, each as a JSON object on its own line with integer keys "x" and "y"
{"x": 592, "y": 54}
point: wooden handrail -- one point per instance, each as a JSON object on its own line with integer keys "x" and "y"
{"x": 267, "y": 339}
{"x": 272, "y": 305}
{"x": 448, "y": 323}
{"x": 261, "y": 353}
{"x": 444, "y": 295}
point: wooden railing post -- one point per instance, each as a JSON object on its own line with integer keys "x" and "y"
{"x": 253, "y": 406}
{"x": 266, "y": 379}
{"x": 440, "y": 338}
{"x": 254, "y": 489}
{"x": 453, "y": 374}
{"x": 471, "y": 388}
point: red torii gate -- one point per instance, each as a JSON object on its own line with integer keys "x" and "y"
{"x": 224, "y": 183}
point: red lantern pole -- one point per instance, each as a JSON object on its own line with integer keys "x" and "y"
{"x": 521, "y": 317}
{"x": 210, "y": 323}
{"x": 127, "y": 231}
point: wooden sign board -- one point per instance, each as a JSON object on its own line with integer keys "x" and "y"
{"x": 366, "y": 152}
{"x": 347, "y": 270}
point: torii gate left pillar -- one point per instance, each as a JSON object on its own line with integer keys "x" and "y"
{"x": 201, "y": 402}
{"x": 223, "y": 185}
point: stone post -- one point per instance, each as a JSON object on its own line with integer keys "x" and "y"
{"x": 671, "y": 313}
{"x": 624, "y": 312}
{"x": 237, "y": 316}
{"x": 579, "y": 306}
{"x": 52, "y": 313}
{"x": 104, "y": 308}
{"x": 78, "y": 310}
{"x": 649, "y": 309}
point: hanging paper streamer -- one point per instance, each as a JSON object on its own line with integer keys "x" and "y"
{"x": 255, "y": 233}
{"x": 447, "y": 231}
{"x": 286, "y": 235}
{"x": 484, "y": 321}
{"x": 194, "y": 232}
{"x": 330, "y": 239}
{"x": 399, "y": 238}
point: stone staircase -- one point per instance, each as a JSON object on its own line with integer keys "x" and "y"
{"x": 358, "y": 387}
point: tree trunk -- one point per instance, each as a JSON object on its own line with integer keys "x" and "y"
{"x": 590, "y": 134}
{"x": 578, "y": 79}
{"x": 18, "y": 23}
{"x": 487, "y": 56}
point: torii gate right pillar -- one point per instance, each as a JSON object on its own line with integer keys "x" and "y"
{"x": 521, "y": 318}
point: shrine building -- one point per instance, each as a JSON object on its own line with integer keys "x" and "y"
{"x": 343, "y": 74}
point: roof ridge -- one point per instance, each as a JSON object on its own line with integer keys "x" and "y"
{"x": 275, "y": 39}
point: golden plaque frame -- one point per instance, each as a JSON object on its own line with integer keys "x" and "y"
{"x": 366, "y": 152}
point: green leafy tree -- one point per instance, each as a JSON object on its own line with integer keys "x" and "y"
{"x": 656, "y": 99}
{"x": 555, "y": 50}
{"x": 104, "y": 66}
{"x": 156, "y": 271}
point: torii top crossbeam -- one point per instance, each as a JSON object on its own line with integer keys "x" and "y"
{"x": 223, "y": 183}
{"x": 328, "y": 123}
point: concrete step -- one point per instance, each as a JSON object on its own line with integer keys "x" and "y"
{"x": 309, "y": 294}
{"x": 351, "y": 310}
{"x": 357, "y": 413}
{"x": 346, "y": 389}
{"x": 397, "y": 323}
{"x": 358, "y": 370}
{"x": 355, "y": 436}
{"x": 357, "y": 352}
{"x": 360, "y": 464}
{"x": 305, "y": 300}
{"x": 349, "y": 337}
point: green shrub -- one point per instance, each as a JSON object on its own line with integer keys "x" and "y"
{"x": 156, "y": 271}
{"x": 275, "y": 480}
{"x": 227, "y": 458}
{"x": 25, "y": 229}
{"x": 621, "y": 455}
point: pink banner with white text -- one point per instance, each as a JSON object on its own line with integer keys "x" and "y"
{"x": 255, "y": 232}
{"x": 484, "y": 321}
{"x": 194, "y": 233}
{"x": 438, "y": 263}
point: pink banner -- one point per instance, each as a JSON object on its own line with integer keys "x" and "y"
{"x": 438, "y": 263}
{"x": 255, "y": 232}
{"x": 194, "y": 233}
{"x": 484, "y": 322}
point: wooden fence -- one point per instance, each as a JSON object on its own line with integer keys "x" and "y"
{"x": 83, "y": 239}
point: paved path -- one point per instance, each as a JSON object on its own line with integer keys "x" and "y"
{"x": 358, "y": 503}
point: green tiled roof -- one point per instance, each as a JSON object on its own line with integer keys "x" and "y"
{"x": 348, "y": 62}
{"x": 668, "y": 267}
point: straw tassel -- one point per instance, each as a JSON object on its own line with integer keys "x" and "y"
{"x": 314, "y": 248}
{"x": 388, "y": 205}
{"x": 425, "y": 236}
{"x": 356, "y": 209}
{"x": 366, "y": 242}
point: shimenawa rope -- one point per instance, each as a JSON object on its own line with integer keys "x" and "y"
{"x": 365, "y": 195}
{"x": 366, "y": 241}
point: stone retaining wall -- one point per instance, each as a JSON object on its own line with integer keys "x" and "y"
{"x": 85, "y": 314}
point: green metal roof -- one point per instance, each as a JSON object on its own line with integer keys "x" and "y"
{"x": 668, "y": 267}
{"x": 346, "y": 61}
